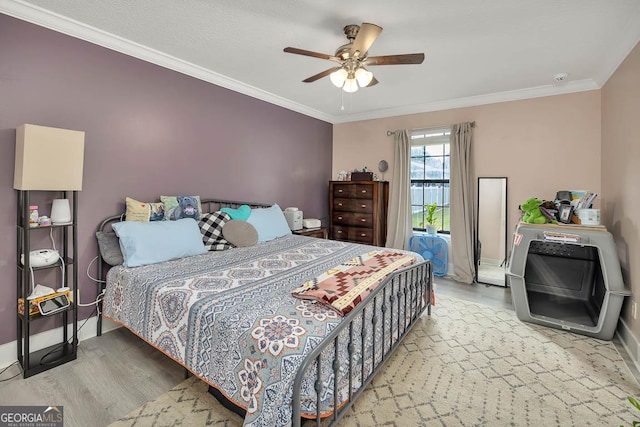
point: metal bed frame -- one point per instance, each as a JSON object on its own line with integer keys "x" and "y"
{"x": 393, "y": 308}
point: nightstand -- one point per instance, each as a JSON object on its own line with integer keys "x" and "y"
{"x": 320, "y": 233}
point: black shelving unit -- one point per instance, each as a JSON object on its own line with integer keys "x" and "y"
{"x": 65, "y": 350}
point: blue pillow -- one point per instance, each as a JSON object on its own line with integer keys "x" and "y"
{"x": 269, "y": 222}
{"x": 145, "y": 243}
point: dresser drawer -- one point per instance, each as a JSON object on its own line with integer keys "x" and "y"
{"x": 353, "y": 234}
{"x": 353, "y": 205}
{"x": 353, "y": 218}
{"x": 360, "y": 191}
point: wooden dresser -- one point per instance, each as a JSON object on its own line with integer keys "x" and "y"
{"x": 358, "y": 211}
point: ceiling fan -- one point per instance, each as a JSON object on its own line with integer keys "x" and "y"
{"x": 353, "y": 59}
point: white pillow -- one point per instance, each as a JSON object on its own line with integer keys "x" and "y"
{"x": 145, "y": 243}
{"x": 269, "y": 222}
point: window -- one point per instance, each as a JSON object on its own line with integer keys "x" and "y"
{"x": 430, "y": 162}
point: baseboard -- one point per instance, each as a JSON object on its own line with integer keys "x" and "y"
{"x": 629, "y": 342}
{"x": 9, "y": 351}
{"x": 491, "y": 262}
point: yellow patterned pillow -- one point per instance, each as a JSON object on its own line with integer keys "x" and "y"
{"x": 144, "y": 211}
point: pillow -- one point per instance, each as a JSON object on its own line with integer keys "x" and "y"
{"x": 177, "y": 207}
{"x": 242, "y": 212}
{"x": 211, "y": 226}
{"x": 145, "y": 243}
{"x": 270, "y": 223}
{"x": 109, "y": 247}
{"x": 240, "y": 233}
{"x": 143, "y": 211}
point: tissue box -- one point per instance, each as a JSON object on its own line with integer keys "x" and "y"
{"x": 33, "y": 303}
{"x": 361, "y": 176}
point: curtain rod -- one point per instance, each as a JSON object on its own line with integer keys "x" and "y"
{"x": 392, "y": 132}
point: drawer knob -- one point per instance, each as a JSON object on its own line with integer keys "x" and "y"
{"x": 363, "y": 220}
{"x": 339, "y": 191}
{"x": 339, "y": 204}
{"x": 339, "y": 232}
{"x": 364, "y": 191}
{"x": 364, "y": 206}
{"x": 339, "y": 217}
{"x": 363, "y": 235}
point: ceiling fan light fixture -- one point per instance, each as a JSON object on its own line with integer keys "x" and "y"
{"x": 350, "y": 85}
{"x": 363, "y": 77}
{"x": 339, "y": 77}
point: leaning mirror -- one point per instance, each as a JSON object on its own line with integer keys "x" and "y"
{"x": 492, "y": 231}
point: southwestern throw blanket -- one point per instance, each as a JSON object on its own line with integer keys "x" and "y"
{"x": 229, "y": 317}
{"x": 343, "y": 287}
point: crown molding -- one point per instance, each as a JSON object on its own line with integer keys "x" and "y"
{"x": 472, "y": 101}
{"x": 79, "y": 30}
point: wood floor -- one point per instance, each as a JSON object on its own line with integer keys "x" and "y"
{"x": 118, "y": 372}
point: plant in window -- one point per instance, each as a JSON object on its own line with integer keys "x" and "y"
{"x": 431, "y": 211}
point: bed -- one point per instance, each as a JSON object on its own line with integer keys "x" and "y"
{"x": 229, "y": 317}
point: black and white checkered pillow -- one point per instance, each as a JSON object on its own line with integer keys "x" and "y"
{"x": 211, "y": 228}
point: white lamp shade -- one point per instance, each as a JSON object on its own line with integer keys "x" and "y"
{"x": 48, "y": 158}
{"x": 338, "y": 77}
{"x": 60, "y": 211}
{"x": 350, "y": 86}
{"x": 363, "y": 77}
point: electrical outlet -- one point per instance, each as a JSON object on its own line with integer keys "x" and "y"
{"x": 633, "y": 309}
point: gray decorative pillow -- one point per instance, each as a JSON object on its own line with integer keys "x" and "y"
{"x": 109, "y": 247}
{"x": 240, "y": 233}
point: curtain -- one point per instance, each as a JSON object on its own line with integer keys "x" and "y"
{"x": 399, "y": 226}
{"x": 463, "y": 218}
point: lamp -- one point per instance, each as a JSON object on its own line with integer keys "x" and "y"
{"x": 48, "y": 158}
{"x": 350, "y": 80}
{"x": 363, "y": 77}
{"x": 60, "y": 211}
{"x": 338, "y": 77}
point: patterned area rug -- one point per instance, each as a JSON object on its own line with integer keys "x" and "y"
{"x": 466, "y": 365}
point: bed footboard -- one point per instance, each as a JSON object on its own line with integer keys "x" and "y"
{"x": 390, "y": 310}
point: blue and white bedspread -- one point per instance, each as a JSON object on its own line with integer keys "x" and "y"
{"x": 229, "y": 317}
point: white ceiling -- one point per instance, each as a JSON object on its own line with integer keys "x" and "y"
{"x": 477, "y": 52}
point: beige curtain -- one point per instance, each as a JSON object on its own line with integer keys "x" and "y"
{"x": 463, "y": 218}
{"x": 399, "y": 227}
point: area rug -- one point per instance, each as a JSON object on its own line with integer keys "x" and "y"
{"x": 465, "y": 365}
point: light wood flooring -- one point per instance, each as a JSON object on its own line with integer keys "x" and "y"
{"x": 118, "y": 372}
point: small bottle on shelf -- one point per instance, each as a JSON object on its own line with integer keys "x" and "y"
{"x": 33, "y": 216}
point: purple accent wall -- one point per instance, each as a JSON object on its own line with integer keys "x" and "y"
{"x": 149, "y": 131}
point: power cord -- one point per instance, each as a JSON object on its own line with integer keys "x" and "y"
{"x": 89, "y": 274}
{"x": 56, "y": 348}
{"x": 5, "y": 369}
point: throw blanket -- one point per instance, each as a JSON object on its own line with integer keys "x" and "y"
{"x": 345, "y": 286}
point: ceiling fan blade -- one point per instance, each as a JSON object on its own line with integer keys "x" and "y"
{"x": 367, "y": 34}
{"x": 321, "y": 75}
{"x": 374, "y": 81}
{"x": 310, "y": 53}
{"x": 409, "y": 58}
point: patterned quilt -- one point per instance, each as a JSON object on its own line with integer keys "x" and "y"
{"x": 229, "y": 317}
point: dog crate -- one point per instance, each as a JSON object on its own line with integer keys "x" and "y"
{"x": 567, "y": 277}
